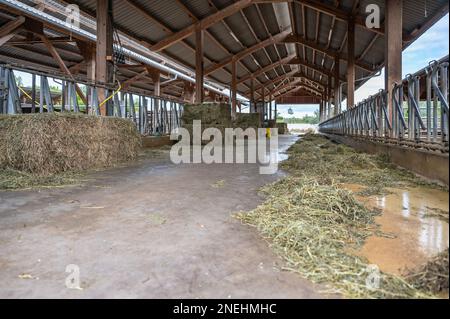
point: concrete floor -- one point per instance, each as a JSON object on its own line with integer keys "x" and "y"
{"x": 153, "y": 230}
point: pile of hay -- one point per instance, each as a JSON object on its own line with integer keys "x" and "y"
{"x": 317, "y": 157}
{"x": 12, "y": 180}
{"x": 316, "y": 225}
{"x": 315, "y": 228}
{"x": 45, "y": 144}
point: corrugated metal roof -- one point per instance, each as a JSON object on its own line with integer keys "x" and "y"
{"x": 154, "y": 20}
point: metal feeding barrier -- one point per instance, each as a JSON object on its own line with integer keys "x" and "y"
{"x": 419, "y": 115}
{"x": 151, "y": 115}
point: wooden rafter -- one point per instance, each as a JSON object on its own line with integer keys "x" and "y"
{"x": 269, "y": 41}
{"x": 9, "y": 29}
{"x": 168, "y": 30}
{"x": 201, "y": 24}
{"x": 211, "y": 36}
{"x": 267, "y": 68}
{"x": 314, "y": 67}
{"x": 11, "y": 26}
{"x": 331, "y": 53}
{"x": 277, "y": 79}
{"x": 219, "y": 44}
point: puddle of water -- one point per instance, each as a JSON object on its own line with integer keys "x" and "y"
{"x": 418, "y": 236}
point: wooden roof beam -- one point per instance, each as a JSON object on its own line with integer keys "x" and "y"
{"x": 267, "y": 68}
{"x": 201, "y": 24}
{"x": 266, "y": 84}
{"x": 168, "y": 30}
{"x": 9, "y": 29}
{"x": 11, "y": 26}
{"x": 315, "y": 67}
{"x": 296, "y": 83}
{"x": 126, "y": 84}
{"x": 209, "y": 34}
{"x": 238, "y": 56}
{"x": 340, "y": 14}
{"x": 316, "y": 47}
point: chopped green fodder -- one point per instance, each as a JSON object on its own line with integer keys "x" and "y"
{"x": 12, "y": 180}
{"x": 315, "y": 228}
{"x": 316, "y": 225}
{"x": 317, "y": 157}
{"x": 433, "y": 276}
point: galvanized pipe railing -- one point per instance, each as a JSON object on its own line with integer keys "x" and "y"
{"x": 151, "y": 115}
{"x": 419, "y": 116}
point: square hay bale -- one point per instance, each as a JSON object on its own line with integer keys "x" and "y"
{"x": 221, "y": 128}
{"x": 51, "y": 143}
{"x": 208, "y": 113}
{"x": 246, "y": 120}
{"x": 282, "y": 128}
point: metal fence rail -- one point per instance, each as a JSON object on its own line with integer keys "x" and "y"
{"x": 419, "y": 115}
{"x": 151, "y": 115}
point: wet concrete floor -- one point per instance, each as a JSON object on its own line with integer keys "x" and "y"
{"x": 153, "y": 230}
{"x": 159, "y": 230}
{"x": 415, "y": 234}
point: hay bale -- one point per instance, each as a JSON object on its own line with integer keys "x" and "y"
{"x": 246, "y": 120}
{"x": 208, "y": 113}
{"x": 51, "y": 143}
{"x": 221, "y": 128}
{"x": 282, "y": 128}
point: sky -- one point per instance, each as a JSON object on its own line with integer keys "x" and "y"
{"x": 432, "y": 45}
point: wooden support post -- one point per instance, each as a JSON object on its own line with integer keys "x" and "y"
{"x": 156, "y": 78}
{"x": 233, "y": 88}
{"x": 189, "y": 94}
{"x": 276, "y": 111}
{"x": 87, "y": 50}
{"x": 252, "y": 96}
{"x": 393, "y": 47}
{"x": 263, "y": 102}
{"x": 199, "y": 65}
{"x": 270, "y": 106}
{"x": 336, "y": 86}
{"x": 104, "y": 49}
{"x": 329, "y": 95}
{"x": 351, "y": 63}
{"x": 321, "y": 108}
{"x": 33, "y": 93}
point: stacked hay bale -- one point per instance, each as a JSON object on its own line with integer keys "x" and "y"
{"x": 45, "y": 144}
{"x": 272, "y": 123}
{"x": 282, "y": 128}
{"x": 212, "y": 115}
